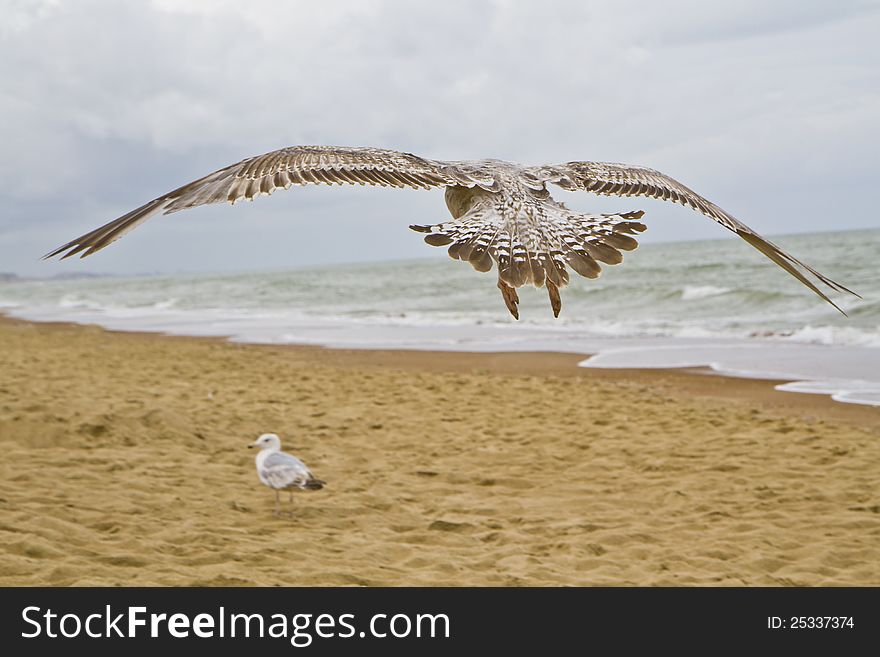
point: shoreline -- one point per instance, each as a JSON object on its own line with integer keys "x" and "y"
{"x": 125, "y": 463}
{"x": 702, "y": 381}
{"x": 841, "y": 369}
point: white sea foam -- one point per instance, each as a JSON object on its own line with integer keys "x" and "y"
{"x": 831, "y": 335}
{"x": 690, "y": 292}
{"x": 853, "y": 391}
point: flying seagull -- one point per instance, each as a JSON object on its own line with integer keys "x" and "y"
{"x": 502, "y": 212}
{"x": 282, "y": 471}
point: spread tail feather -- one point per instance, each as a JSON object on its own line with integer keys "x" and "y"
{"x": 536, "y": 249}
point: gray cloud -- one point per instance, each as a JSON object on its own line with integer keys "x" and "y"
{"x": 767, "y": 108}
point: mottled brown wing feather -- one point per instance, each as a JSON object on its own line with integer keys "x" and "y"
{"x": 263, "y": 174}
{"x": 612, "y": 179}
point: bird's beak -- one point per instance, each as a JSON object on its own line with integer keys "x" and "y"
{"x": 252, "y": 445}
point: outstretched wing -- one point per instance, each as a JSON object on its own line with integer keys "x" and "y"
{"x": 295, "y": 165}
{"x": 611, "y": 179}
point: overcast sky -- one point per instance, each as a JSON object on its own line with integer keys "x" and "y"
{"x": 768, "y": 107}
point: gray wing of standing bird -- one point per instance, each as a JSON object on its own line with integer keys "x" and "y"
{"x": 281, "y": 471}
{"x": 502, "y": 213}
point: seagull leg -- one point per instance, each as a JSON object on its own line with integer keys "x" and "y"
{"x": 277, "y": 504}
{"x": 290, "y": 501}
{"x": 555, "y": 299}
{"x": 511, "y": 299}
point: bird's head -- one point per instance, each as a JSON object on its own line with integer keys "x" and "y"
{"x": 267, "y": 441}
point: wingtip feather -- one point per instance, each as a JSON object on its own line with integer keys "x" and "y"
{"x": 790, "y": 264}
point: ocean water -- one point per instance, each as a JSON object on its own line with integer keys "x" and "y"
{"x": 713, "y": 303}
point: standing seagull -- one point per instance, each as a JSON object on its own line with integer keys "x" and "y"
{"x": 501, "y": 212}
{"x": 281, "y": 471}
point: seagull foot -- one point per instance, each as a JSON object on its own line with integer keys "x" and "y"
{"x": 511, "y": 299}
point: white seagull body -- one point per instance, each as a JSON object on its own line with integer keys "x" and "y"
{"x": 282, "y": 471}
{"x": 502, "y": 212}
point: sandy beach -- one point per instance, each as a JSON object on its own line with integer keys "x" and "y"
{"x": 125, "y": 463}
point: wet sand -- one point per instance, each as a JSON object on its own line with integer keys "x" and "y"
{"x": 124, "y": 463}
